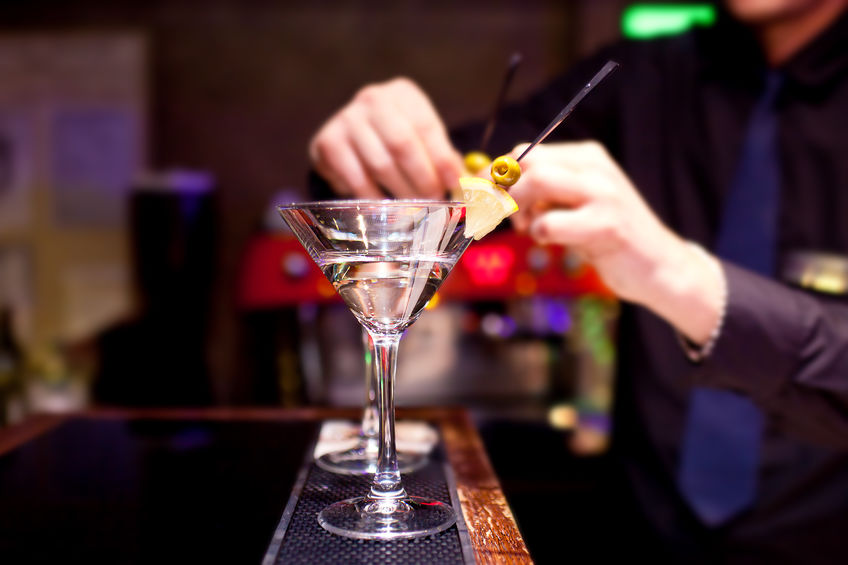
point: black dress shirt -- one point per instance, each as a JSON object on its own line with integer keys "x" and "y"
{"x": 673, "y": 116}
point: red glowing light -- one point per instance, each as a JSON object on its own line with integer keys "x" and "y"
{"x": 489, "y": 265}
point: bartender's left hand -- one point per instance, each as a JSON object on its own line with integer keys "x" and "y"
{"x": 576, "y": 195}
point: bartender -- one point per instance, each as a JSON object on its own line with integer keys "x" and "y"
{"x": 707, "y": 183}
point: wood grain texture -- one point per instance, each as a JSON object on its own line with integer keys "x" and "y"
{"x": 18, "y": 434}
{"x": 491, "y": 525}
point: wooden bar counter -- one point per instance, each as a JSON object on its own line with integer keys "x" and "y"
{"x": 56, "y": 475}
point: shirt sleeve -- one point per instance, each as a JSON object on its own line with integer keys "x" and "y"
{"x": 788, "y": 350}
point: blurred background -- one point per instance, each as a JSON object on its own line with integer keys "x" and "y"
{"x": 143, "y": 146}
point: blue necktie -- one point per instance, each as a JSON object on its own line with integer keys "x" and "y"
{"x": 721, "y": 444}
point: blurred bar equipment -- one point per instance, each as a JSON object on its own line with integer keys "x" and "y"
{"x": 159, "y": 356}
{"x": 11, "y": 370}
{"x": 518, "y": 331}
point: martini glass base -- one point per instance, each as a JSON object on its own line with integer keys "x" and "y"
{"x": 362, "y": 461}
{"x": 369, "y": 518}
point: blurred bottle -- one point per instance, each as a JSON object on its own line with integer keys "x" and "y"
{"x": 11, "y": 371}
{"x": 50, "y": 385}
{"x": 161, "y": 355}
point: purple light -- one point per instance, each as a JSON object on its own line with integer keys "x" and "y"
{"x": 559, "y": 320}
{"x": 495, "y": 325}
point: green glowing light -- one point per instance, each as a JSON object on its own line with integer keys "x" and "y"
{"x": 646, "y": 21}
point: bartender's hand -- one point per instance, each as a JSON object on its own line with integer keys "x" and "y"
{"x": 388, "y": 136}
{"x": 574, "y": 194}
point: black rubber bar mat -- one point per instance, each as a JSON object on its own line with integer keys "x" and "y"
{"x": 299, "y": 538}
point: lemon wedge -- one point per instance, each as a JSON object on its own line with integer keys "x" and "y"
{"x": 486, "y": 205}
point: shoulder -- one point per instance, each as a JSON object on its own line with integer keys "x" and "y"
{"x": 644, "y": 64}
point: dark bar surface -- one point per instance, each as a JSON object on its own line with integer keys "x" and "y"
{"x": 197, "y": 486}
{"x": 146, "y": 491}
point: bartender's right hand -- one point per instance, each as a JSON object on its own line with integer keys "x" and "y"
{"x": 388, "y": 138}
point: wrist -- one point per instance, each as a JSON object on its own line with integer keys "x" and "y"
{"x": 688, "y": 290}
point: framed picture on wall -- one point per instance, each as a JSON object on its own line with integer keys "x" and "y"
{"x": 94, "y": 157}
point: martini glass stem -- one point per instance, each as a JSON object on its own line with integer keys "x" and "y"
{"x": 371, "y": 413}
{"x": 386, "y": 483}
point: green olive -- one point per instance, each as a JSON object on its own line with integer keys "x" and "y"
{"x": 505, "y": 170}
{"x": 476, "y": 161}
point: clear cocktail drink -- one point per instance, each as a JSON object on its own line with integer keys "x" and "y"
{"x": 386, "y": 259}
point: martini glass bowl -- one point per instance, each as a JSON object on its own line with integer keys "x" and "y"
{"x": 386, "y": 259}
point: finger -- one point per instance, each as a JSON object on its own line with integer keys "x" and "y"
{"x": 319, "y": 149}
{"x": 446, "y": 161}
{"x": 336, "y": 161}
{"x": 521, "y": 221}
{"x": 430, "y": 129}
{"x": 579, "y": 156}
{"x": 518, "y": 150}
{"x": 375, "y": 157}
{"x": 561, "y": 227}
{"x": 548, "y": 186}
{"x": 404, "y": 147}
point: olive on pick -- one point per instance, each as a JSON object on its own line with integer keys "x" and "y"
{"x": 505, "y": 170}
{"x": 476, "y": 161}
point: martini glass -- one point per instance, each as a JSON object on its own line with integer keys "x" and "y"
{"x": 386, "y": 259}
{"x": 361, "y": 459}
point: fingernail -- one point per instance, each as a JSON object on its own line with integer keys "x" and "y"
{"x": 537, "y": 231}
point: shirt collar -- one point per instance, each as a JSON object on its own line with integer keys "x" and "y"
{"x": 823, "y": 60}
{"x": 729, "y": 50}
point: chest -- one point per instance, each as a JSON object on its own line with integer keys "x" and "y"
{"x": 681, "y": 142}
